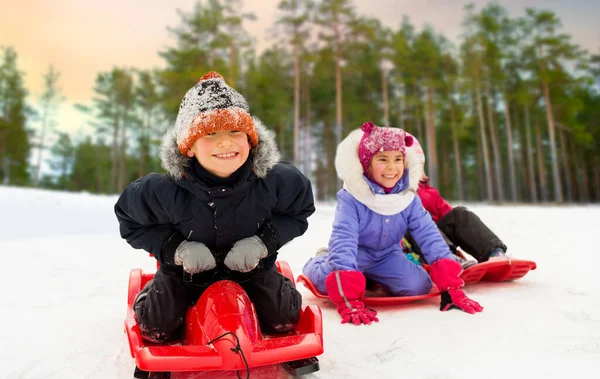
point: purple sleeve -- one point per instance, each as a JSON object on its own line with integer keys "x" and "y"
{"x": 426, "y": 233}
{"x": 343, "y": 243}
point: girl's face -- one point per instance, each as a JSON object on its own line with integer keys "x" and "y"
{"x": 221, "y": 153}
{"x": 387, "y": 168}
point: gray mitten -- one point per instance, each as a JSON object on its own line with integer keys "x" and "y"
{"x": 195, "y": 257}
{"x": 245, "y": 254}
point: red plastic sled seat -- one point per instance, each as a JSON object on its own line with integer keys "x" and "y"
{"x": 222, "y": 324}
{"x": 498, "y": 270}
{"x": 370, "y": 300}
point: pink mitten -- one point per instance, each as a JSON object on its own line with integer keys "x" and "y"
{"x": 445, "y": 273}
{"x": 345, "y": 288}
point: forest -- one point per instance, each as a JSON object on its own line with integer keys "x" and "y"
{"x": 508, "y": 113}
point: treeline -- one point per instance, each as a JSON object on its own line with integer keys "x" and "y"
{"x": 510, "y": 113}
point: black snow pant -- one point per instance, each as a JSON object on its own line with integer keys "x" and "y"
{"x": 161, "y": 306}
{"x": 462, "y": 228}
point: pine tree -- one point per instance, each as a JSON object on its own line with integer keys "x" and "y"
{"x": 14, "y": 136}
{"x": 49, "y": 103}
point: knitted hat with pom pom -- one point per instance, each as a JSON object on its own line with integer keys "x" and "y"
{"x": 211, "y": 106}
{"x": 379, "y": 139}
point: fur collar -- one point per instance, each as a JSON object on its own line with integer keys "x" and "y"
{"x": 350, "y": 171}
{"x": 266, "y": 154}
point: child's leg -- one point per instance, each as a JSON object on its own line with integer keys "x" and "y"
{"x": 417, "y": 249}
{"x": 276, "y": 300}
{"x": 317, "y": 269}
{"x": 160, "y": 307}
{"x": 466, "y": 230}
{"x": 398, "y": 274}
{"x": 450, "y": 244}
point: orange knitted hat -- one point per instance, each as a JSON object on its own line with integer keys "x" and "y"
{"x": 212, "y": 106}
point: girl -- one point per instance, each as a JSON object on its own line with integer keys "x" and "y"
{"x": 376, "y": 207}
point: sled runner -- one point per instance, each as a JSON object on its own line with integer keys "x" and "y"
{"x": 498, "y": 270}
{"x": 222, "y": 333}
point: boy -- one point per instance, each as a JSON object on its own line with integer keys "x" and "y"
{"x": 225, "y": 206}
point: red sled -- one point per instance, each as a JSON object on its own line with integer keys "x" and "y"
{"x": 222, "y": 333}
{"x": 498, "y": 270}
{"x": 371, "y": 300}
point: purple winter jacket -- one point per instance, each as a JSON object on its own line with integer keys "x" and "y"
{"x": 356, "y": 226}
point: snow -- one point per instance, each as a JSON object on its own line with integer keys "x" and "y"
{"x": 64, "y": 291}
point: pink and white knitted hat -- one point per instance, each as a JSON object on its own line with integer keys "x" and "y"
{"x": 379, "y": 139}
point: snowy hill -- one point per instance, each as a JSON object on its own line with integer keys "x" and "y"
{"x": 64, "y": 287}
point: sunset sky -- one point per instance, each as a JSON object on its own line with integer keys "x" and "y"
{"x": 82, "y": 38}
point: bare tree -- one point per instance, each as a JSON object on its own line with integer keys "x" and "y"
{"x": 49, "y": 101}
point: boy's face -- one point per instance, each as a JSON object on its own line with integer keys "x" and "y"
{"x": 387, "y": 168}
{"x": 221, "y": 153}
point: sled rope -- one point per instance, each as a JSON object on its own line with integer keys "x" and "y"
{"x": 237, "y": 349}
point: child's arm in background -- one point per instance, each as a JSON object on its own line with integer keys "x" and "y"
{"x": 441, "y": 204}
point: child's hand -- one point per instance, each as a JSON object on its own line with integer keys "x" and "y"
{"x": 357, "y": 313}
{"x": 195, "y": 257}
{"x": 345, "y": 288}
{"x": 454, "y": 298}
{"x": 245, "y": 254}
{"x": 445, "y": 273}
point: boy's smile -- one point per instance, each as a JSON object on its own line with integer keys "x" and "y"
{"x": 226, "y": 155}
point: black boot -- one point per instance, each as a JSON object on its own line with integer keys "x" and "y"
{"x": 141, "y": 297}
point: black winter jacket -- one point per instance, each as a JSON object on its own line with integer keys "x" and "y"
{"x": 157, "y": 212}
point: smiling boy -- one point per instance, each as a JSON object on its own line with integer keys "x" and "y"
{"x": 226, "y": 205}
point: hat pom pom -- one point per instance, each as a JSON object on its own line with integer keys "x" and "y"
{"x": 367, "y": 127}
{"x": 408, "y": 141}
{"x": 211, "y": 75}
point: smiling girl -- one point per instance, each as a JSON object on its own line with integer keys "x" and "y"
{"x": 376, "y": 207}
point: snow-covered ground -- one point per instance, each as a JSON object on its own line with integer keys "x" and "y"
{"x": 64, "y": 289}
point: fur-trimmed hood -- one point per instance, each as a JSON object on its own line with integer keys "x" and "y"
{"x": 350, "y": 171}
{"x": 266, "y": 153}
